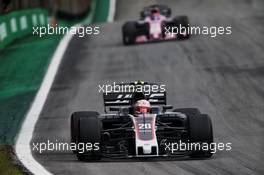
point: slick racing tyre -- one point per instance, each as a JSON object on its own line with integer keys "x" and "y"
{"x": 75, "y": 117}
{"x": 182, "y": 21}
{"x": 165, "y": 10}
{"x": 129, "y": 31}
{"x": 201, "y": 131}
{"x": 89, "y": 133}
{"x": 188, "y": 111}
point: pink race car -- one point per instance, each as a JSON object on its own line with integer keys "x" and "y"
{"x": 155, "y": 25}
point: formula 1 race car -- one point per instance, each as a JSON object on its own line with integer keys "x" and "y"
{"x": 140, "y": 125}
{"x": 155, "y": 24}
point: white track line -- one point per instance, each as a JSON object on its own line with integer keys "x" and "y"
{"x": 22, "y": 147}
{"x": 111, "y": 11}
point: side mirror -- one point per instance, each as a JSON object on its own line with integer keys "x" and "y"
{"x": 166, "y": 107}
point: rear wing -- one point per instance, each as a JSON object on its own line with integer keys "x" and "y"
{"x": 128, "y": 98}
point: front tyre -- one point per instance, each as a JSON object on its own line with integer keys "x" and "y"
{"x": 74, "y": 122}
{"x": 201, "y": 131}
{"x": 75, "y": 117}
{"x": 129, "y": 31}
{"x": 89, "y": 128}
{"x": 182, "y": 21}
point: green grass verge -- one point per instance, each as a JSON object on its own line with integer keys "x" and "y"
{"x": 6, "y": 163}
{"x": 22, "y": 67}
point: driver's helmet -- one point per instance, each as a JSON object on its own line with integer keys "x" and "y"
{"x": 142, "y": 106}
{"x": 155, "y": 14}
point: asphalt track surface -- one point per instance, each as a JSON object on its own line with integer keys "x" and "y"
{"x": 222, "y": 76}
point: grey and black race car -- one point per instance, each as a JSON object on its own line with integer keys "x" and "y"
{"x": 155, "y": 24}
{"x": 124, "y": 132}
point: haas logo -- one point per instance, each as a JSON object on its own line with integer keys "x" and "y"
{"x": 152, "y": 96}
{"x": 123, "y": 98}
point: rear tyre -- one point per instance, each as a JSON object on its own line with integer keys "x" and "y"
{"x": 201, "y": 131}
{"x": 165, "y": 11}
{"x": 188, "y": 111}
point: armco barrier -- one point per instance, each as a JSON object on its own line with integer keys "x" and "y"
{"x": 20, "y": 23}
